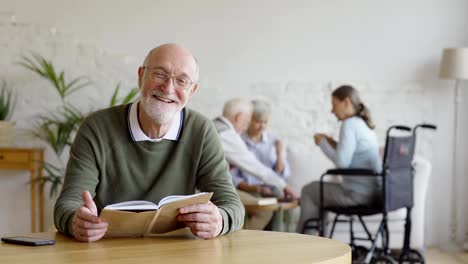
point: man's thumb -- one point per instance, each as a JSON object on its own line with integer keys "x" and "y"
{"x": 89, "y": 203}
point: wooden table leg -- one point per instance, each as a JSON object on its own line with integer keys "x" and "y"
{"x": 33, "y": 201}
{"x": 36, "y": 175}
{"x": 41, "y": 193}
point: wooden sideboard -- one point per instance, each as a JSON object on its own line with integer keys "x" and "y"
{"x": 30, "y": 159}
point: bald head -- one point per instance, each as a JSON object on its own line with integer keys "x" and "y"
{"x": 174, "y": 51}
{"x": 167, "y": 80}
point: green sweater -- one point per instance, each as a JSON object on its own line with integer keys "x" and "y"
{"x": 105, "y": 161}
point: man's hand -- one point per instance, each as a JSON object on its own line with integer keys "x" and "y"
{"x": 86, "y": 225}
{"x": 264, "y": 191}
{"x": 290, "y": 194}
{"x": 204, "y": 220}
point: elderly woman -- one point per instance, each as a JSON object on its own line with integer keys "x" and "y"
{"x": 269, "y": 150}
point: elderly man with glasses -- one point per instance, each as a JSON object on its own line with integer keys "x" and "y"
{"x": 147, "y": 150}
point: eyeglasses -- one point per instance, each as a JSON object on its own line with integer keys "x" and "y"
{"x": 160, "y": 76}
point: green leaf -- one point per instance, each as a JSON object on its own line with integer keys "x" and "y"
{"x": 77, "y": 87}
{"x": 7, "y": 101}
{"x": 58, "y": 128}
{"x": 127, "y": 99}
{"x": 53, "y": 175}
{"x": 131, "y": 95}
{"x": 113, "y": 100}
{"x": 46, "y": 69}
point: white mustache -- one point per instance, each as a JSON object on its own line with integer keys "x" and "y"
{"x": 166, "y": 97}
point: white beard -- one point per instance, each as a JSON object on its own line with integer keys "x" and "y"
{"x": 161, "y": 113}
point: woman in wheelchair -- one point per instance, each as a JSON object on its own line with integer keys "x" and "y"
{"x": 356, "y": 147}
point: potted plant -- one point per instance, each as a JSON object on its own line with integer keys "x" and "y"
{"x": 58, "y": 128}
{"x": 7, "y": 105}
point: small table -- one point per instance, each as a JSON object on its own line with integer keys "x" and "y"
{"x": 245, "y": 246}
{"x": 278, "y": 208}
{"x": 30, "y": 159}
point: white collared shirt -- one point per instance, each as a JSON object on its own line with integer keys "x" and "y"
{"x": 137, "y": 133}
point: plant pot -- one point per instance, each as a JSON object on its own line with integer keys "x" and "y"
{"x": 7, "y": 130}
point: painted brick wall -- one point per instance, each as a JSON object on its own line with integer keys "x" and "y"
{"x": 299, "y": 108}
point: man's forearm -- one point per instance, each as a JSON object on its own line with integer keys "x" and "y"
{"x": 243, "y": 186}
{"x": 63, "y": 219}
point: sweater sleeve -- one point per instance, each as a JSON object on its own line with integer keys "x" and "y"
{"x": 81, "y": 175}
{"x": 346, "y": 146}
{"x": 213, "y": 176}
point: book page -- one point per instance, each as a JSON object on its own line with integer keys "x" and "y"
{"x": 133, "y": 206}
{"x": 173, "y": 198}
{"x": 165, "y": 218}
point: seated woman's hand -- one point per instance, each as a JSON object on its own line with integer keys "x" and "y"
{"x": 279, "y": 167}
{"x": 318, "y": 137}
{"x": 264, "y": 191}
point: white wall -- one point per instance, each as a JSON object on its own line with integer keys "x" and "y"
{"x": 291, "y": 53}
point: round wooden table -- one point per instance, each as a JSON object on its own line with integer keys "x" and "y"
{"x": 280, "y": 222}
{"x": 244, "y": 247}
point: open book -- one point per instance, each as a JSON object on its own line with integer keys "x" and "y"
{"x": 137, "y": 218}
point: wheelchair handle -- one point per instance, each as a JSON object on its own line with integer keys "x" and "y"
{"x": 405, "y": 128}
{"x": 427, "y": 126}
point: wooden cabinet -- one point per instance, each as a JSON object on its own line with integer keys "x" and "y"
{"x": 29, "y": 159}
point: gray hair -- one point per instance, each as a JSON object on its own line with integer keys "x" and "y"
{"x": 260, "y": 108}
{"x": 235, "y": 106}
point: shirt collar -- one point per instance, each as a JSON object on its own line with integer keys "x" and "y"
{"x": 227, "y": 122}
{"x": 137, "y": 133}
{"x": 249, "y": 141}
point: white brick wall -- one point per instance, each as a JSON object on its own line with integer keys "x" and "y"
{"x": 37, "y": 96}
{"x": 292, "y": 56}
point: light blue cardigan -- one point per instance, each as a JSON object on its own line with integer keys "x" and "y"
{"x": 357, "y": 147}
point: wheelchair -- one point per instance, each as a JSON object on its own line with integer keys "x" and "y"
{"x": 397, "y": 192}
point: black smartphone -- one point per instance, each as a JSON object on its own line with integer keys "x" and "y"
{"x": 28, "y": 241}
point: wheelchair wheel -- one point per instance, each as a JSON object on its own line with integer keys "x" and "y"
{"x": 411, "y": 256}
{"x": 383, "y": 260}
{"x": 358, "y": 252}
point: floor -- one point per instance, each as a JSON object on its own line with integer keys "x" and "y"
{"x": 440, "y": 256}
{"x": 436, "y": 255}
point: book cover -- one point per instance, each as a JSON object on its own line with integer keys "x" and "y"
{"x": 137, "y": 218}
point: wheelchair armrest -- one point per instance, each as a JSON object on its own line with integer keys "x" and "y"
{"x": 351, "y": 172}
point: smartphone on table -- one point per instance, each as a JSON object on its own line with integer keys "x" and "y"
{"x": 28, "y": 241}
